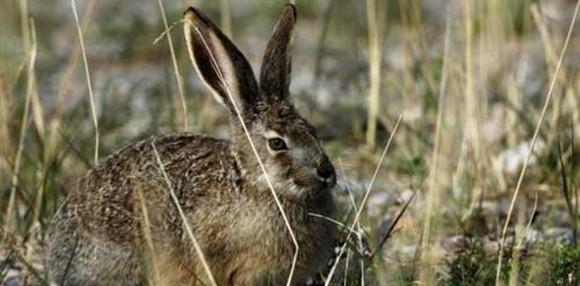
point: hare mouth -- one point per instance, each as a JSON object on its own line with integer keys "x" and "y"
{"x": 313, "y": 185}
{"x": 300, "y": 187}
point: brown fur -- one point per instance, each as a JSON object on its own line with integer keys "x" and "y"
{"x": 99, "y": 235}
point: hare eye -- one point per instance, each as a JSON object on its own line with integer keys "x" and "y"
{"x": 277, "y": 144}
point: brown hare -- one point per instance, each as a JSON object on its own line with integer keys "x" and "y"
{"x": 121, "y": 225}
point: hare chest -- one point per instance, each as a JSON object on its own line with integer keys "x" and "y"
{"x": 262, "y": 246}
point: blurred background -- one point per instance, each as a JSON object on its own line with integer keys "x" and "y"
{"x": 468, "y": 80}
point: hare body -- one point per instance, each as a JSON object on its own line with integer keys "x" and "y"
{"x": 122, "y": 223}
{"x": 98, "y": 236}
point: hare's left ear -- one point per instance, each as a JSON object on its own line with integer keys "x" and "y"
{"x": 222, "y": 67}
{"x": 276, "y": 66}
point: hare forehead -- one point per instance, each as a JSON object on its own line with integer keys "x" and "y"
{"x": 288, "y": 124}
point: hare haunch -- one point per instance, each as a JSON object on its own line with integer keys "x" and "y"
{"x": 121, "y": 226}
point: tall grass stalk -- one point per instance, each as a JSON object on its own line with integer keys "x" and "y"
{"x": 88, "y": 80}
{"x": 533, "y": 143}
{"x": 433, "y": 192}
{"x": 374, "y": 24}
{"x": 25, "y": 25}
{"x": 186, "y": 224}
{"x": 9, "y": 220}
{"x": 65, "y": 84}
{"x": 37, "y": 112}
{"x": 39, "y": 197}
{"x": 176, "y": 71}
{"x": 5, "y": 142}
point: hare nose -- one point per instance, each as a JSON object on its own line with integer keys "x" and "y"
{"x": 325, "y": 170}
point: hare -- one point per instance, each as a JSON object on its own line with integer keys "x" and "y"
{"x": 130, "y": 220}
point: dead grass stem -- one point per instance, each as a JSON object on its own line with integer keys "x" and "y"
{"x": 176, "y": 71}
{"x": 186, "y": 224}
{"x": 374, "y": 49}
{"x": 533, "y": 143}
{"x": 9, "y": 223}
{"x": 433, "y": 192}
{"x": 88, "y": 80}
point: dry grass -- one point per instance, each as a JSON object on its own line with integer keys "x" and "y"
{"x": 374, "y": 26}
{"x": 176, "y": 71}
{"x": 533, "y": 142}
{"x": 362, "y": 205}
{"x": 433, "y": 195}
{"x": 478, "y": 82}
{"x": 9, "y": 219}
{"x": 88, "y": 80}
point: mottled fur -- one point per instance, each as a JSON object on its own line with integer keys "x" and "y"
{"x": 98, "y": 236}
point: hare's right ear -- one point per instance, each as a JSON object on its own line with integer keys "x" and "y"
{"x": 219, "y": 63}
{"x": 277, "y": 63}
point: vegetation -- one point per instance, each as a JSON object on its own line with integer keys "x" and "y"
{"x": 484, "y": 94}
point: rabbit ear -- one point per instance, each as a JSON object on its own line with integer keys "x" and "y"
{"x": 276, "y": 66}
{"x": 220, "y": 64}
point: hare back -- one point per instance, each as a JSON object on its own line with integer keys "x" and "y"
{"x": 131, "y": 196}
{"x": 109, "y": 200}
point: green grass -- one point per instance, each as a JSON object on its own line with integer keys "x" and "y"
{"x": 543, "y": 264}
